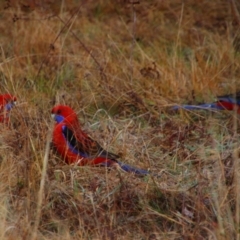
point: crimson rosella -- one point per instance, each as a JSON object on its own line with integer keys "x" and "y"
{"x": 75, "y": 146}
{"x": 7, "y": 102}
{"x": 226, "y": 102}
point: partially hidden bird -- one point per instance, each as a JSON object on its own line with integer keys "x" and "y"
{"x": 7, "y": 102}
{"x": 225, "y": 102}
{"x": 75, "y": 146}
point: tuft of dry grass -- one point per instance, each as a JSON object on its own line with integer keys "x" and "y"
{"x": 121, "y": 65}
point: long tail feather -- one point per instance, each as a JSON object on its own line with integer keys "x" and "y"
{"x": 125, "y": 167}
{"x": 199, "y": 107}
{"x": 129, "y": 168}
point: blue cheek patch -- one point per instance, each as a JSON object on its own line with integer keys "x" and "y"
{"x": 9, "y": 106}
{"x": 58, "y": 118}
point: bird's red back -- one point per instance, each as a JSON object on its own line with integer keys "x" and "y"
{"x": 229, "y": 106}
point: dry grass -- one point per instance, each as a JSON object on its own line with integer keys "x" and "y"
{"x": 121, "y": 66}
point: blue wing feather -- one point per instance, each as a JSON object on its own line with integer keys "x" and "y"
{"x": 229, "y": 99}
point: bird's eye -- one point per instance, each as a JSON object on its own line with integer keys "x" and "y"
{"x": 58, "y": 111}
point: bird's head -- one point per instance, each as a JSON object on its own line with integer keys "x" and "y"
{"x": 8, "y": 101}
{"x": 61, "y": 112}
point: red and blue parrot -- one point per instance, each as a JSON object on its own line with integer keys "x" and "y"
{"x": 75, "y": 146}
{"x": 225, "y": 102}
{"x": 7, "y": 102}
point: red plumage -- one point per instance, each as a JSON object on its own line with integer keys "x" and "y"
{"x": 228, "y": 106}
{"x": 94, "y": 154}
{"x": 225, "y": 102}
{"x": 7, "y": 101}
{"x": 75, "y": 146}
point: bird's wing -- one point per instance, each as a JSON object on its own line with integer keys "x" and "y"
{"x": 88, "y": 148}
{"x": 84, "y": 145}
{"x": 231, "y": 98}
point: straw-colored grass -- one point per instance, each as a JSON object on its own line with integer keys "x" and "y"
{"x": 121, "y": 65}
